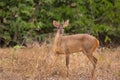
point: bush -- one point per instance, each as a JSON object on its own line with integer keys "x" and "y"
{"x": 24, "y": 19}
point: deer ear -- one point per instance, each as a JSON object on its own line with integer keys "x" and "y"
{"x": 55, "y": 23}
{"x": 66, "y": 23}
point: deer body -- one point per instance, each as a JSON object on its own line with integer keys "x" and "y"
{"x": 74, "y": 43}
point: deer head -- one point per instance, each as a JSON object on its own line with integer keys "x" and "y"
{"x": 60, "y": 27}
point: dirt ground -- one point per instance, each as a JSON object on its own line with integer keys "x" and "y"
{"x": 33, "y": 63}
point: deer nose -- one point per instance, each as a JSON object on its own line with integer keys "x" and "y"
{"x": 61, "y": 29}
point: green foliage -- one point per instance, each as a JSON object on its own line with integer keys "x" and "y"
{"x": 21, "y": 19}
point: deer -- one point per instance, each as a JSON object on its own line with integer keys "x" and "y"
{"x": 69, "y": 44}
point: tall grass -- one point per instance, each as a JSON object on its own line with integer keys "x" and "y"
{"x": 33, "y": 63}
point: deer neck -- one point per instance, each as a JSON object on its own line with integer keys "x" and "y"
{"x": 58, "y": 39}
{"x": 57, "y": 42}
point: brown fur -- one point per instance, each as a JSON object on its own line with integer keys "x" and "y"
{"x": 74, "y": 43}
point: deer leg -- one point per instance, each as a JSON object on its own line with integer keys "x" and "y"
{"x": 67, "y": 63}
{"x": 94, "y": 64}
{"x": 93, "y": 60}
{"x": 52, "y": 65}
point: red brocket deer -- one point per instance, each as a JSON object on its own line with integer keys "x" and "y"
{"x": 74, "y": 43}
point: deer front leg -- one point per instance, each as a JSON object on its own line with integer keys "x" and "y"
{"x": 67, "y": 63}
{"x": 53, "y": 63}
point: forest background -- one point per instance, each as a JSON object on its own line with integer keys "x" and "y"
{"x": 22, "y": 20}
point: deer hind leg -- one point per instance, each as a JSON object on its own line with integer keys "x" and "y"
{"x": 93, "y": 60}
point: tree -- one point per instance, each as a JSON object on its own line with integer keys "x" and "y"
{"x": 23, "y": 19}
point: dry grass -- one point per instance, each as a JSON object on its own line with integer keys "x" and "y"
{"x": 33, "y": 63}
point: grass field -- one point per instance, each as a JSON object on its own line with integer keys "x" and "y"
{"x": 33, "y": 64}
